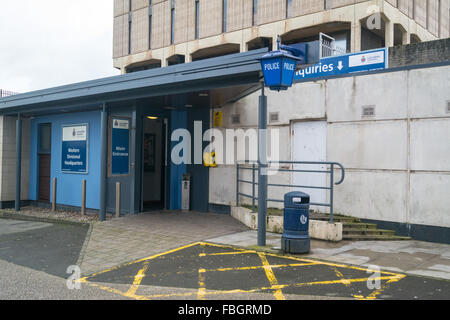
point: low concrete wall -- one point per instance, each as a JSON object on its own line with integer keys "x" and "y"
{"x": 245, "y": 216}
{"x": 321, "y": 230}
{"x": 324, "y": 230}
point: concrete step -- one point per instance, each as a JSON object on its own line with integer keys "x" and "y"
{"x": 335, "y": 218}
{"x": 358, "y": 237}
{"x": 359, "y": 225}
{"x": 367, "y": 231}
{"x": 355, "y": 230}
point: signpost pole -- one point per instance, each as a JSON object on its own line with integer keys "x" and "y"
{"x": 278, "y": 68}
{"x": 262, "y": 166}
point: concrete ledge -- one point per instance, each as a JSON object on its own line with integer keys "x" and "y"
{"x": 321, "y": 230}
{"x": 245, "y": 216}
{"x": 324, "y": 230}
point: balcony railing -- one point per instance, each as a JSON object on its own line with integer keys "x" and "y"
{"x": 6, "y": 93}
{"x": 328, "y": 46}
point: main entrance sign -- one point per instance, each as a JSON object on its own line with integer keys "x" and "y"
{"x": 120, "y": 145}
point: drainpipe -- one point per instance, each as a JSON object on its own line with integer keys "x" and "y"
{"x": 18, "y": 160}
{"x": 103, "y": 160}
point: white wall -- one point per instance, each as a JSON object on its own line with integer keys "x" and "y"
{"x": 397, "y": 162}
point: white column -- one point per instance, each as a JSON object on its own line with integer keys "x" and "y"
{"x": 389, "y": 34}
{"x": 356, "y": 36}
{"x": 406, "y": 38}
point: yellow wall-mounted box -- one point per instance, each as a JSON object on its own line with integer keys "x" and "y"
{"x": 218, "y": 119}
{"x": 209, "y": 159}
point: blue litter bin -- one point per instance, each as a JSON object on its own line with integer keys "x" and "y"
{"x": 295, "y": 237}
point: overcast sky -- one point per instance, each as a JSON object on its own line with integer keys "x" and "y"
{"x": 48, "y": 43}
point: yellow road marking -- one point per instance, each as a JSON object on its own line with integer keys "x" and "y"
{"x": 340, "y": 281}
{"x": 254, "y": 290}
{"x": 341, "y": 276}
{"x": 201, "y": 284}
{"x": 271, "y": 277}
{"x": 141, "y": 260}
{"x": 221, "y": 246}
{"x": 138, "y": 279}
{"x": 225, "y": 253}
{"x": 201, "y": 292}
{"x": 115, "y": 291}
{"x": 171, "y": 295}
{"x": 375, "y": 293}
{"x": 261, "y": 267}
{"x": 325, "y": 263}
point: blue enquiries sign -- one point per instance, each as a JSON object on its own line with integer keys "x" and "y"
{"x": 120, "y": 147}
{"x": 74, "y": 149}
{"x": 344, "y": 64}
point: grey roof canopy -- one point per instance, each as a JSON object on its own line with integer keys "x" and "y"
{"x": 225, "y": 71}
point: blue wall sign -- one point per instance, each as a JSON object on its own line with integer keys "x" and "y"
{"x": 74, "y": 149}
{"x": 120, "y": 147}
{"x": 356, "y": 62}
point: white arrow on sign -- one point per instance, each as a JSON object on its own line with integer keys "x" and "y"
{"x": 340, "y": 66}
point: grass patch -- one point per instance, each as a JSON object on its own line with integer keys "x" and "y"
{"x": 280, "y": 212}
{"x": 270, "y": 211}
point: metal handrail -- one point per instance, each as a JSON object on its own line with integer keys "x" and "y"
{"x": 317, "y": 163}
{"x": 254, "y": 167}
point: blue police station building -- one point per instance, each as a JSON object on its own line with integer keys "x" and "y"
{"x": 118, "y": 129}
{"x": 101, "y": 134}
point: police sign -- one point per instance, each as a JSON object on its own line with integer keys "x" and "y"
{"x": 278, "y": 68}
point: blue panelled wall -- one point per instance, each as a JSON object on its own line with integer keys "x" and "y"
{"x": 68, "y": 186}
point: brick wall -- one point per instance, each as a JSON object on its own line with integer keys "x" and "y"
{"x": 420, "y": 53}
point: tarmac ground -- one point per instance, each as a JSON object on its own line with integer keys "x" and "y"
{"x": 206, "y": 270}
